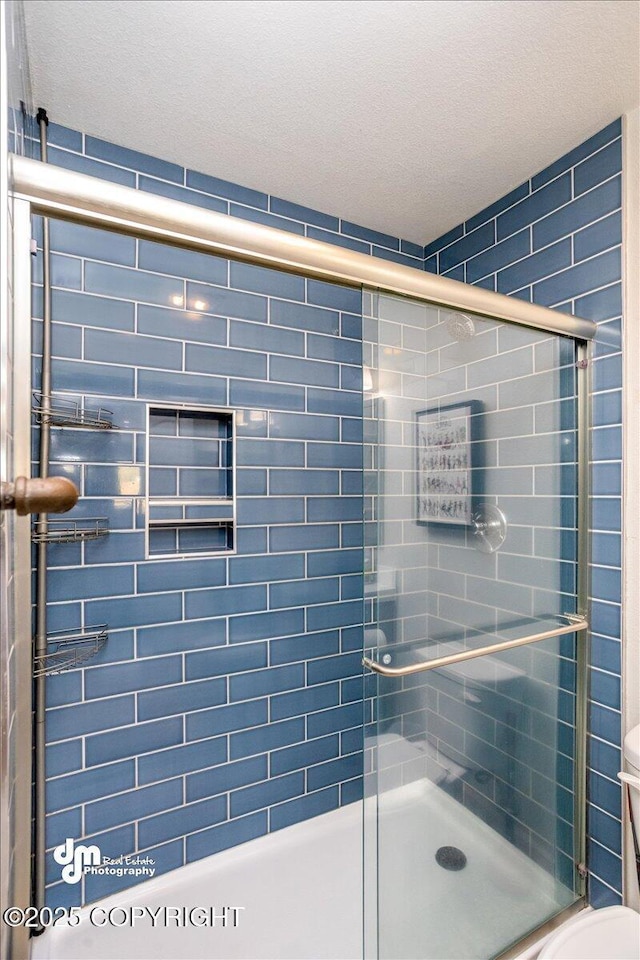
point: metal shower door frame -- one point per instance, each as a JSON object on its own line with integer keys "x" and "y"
{"x": 65, "y": 195}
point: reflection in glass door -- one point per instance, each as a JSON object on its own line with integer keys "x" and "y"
{"x": 471, "y": 833}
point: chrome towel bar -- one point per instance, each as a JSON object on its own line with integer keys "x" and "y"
{"x": 575, "y": 624}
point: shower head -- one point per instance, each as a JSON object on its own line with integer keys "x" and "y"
{"x": 460, "y": 326}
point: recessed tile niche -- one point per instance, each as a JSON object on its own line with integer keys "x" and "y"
{"x": 190, "y": 481}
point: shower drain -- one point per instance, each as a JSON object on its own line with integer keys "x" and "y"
{"x": 451, "y": 858}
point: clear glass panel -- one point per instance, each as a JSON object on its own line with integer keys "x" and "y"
{"x": 471, "y": 539}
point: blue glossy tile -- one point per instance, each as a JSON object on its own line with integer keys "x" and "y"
{"x": 598, "y": 237}
{"x": 305, "y": 647}
{"x": 185, "y": 820}
{"x": 59, "y": 826}
{"x": 304, "y": 214}
{"x": 182, "y": 698}
{"x": 92, "y": 445}
{"x": 81, "y": 308}
{"x": 259, "y": 626}
{"x": 222, "y": 661}
{"x": 605, "y": 723}
{"x": 599, "y": 271}
{"x": 352, "y": 791}
{"x": 65, "y": 271}
{"x": 77, "y": 583}
{"x": 351, "y": 326}
{"x": 88, "y": 785}
{"x": 533, "y": 268}
{"x": 141, "y": 162}
{"x": 93, "y": 168}
{"x": 259, "y": 683}
{"x": 607, "y": 443}
{"x": 224, "y": 601}
{"x": 371, "y": 236}
{"x": 443, "y": 241}
{"x": 534, "y": 207}
{"x": 222, "y": 188}
{"x": 467, "y": 247}
{"x": 332, "y": 562}
{"x": 259, "y": 510}
{"x": 60, "y": 136}
{"x": 248, "y": 799}
{"x": 181, "y": 574}
{"x": 605, "y": 690}
{"x": 499, "y": 256}
{"x": 304, "y": 755}
{"x": 181, "y": 759}
{"x": 264, "y": 738}
{"x": 303, "y": 317}
{"x": 181, "y": 387}
{"x": 85, "y": 718}
{"x": 91, "y": 243}
{"x": 135, "y": 611}
{"x": 604, "y": 829}
{"x": 226, "y": 303}
{"x": 604, "y": 758}
{"x": 247, "y": 393}
{"x": 333, "y": 348}
{"x": 208, "y": 783}
{"x": 120, "y": 347}
{"x": 184, "y": 195}
{"x": 332, "y": 509}
{"x": 335, "y": 771}
{"x": 131, "y": 741}
{"x": 413, "y": 249}
{"x": 306, "y": 807}
{"x": 312, "y": 372}
{"x": 64, "y": 688}
{"x": 495, "y": 208}
{"x": 245, "y": 276}
{"x": 607, "y": 373}
{"x": 181, "y": 325}
{"x": 164, "y": 258}
{"x": 207, "y": 842}
{"x": 138, "y": 803}
{"x": 606, "y": 549}
{"x": 304, "y": 482}
{"x": 607, "y": 409}
{"x": 598, "y": 167}
{"x": 605, "y": 865}
{"x": 305, "y": 701}
{"x": 335, "y": 615}
{"x": 238, "y": 716}
{"x": 338, "y": 718}
{"x": 303, "y": 592}
{"x": 340, "y": 403}
{"x": 251, "y": 482}
{"x": 580, "y": 212}
{"x": 259, "y": 569}
{"x": 265, "y": 337}
{"x": 132, "y": 677}
{"x": 601, "y": 305}
{"x": 131, "y": 284}
{"x": 292, "y": 426}
{"x": 63, "y": 757}
{"x": 331, "y": 295}
{"x": 225, "y": 361}
{"x": 605, "y": 619}
{"x": 177, "y": 637}
{"x": 335, "y": 668}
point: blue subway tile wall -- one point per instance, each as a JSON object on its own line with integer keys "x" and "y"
{"x": 555, "y": 240}
{"x": 222, "y": 685}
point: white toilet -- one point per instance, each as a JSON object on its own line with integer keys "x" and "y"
{"x": 612, "y": 933}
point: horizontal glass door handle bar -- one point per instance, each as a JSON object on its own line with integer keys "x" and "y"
{"x": 575, "y": 625}
{"x": 56, "y": 192}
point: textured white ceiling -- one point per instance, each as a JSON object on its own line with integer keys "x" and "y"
{"x": 405, "y": 116}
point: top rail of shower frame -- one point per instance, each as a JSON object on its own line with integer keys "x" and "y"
{"x": 55, "y": 192}
{"x": 576, "y": 624}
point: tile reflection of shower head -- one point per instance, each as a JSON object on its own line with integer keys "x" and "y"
{"x": 460, "y": 326}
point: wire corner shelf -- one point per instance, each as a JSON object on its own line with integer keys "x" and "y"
{"x": 66, "y": 530}
{"x": 70, "y": 649}
{"x": 59, "y": 412}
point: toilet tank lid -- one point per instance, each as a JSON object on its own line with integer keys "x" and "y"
{"x": 632, "y": 747}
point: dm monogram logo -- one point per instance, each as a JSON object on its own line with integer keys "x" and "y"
{"x": 74, "y": 859}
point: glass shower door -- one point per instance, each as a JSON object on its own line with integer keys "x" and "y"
{"x": 472, "y": 830}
